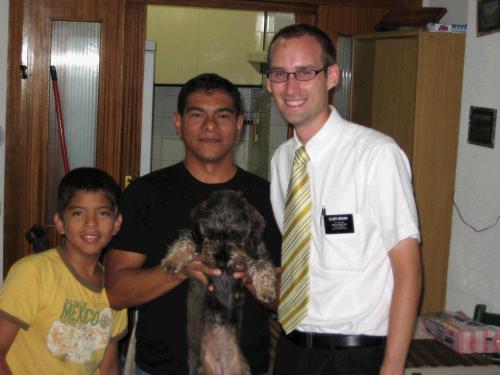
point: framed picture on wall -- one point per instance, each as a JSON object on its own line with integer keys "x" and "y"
{"x": 488, "y": 16}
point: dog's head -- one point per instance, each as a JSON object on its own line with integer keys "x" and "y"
{"x": 227, "y": 229}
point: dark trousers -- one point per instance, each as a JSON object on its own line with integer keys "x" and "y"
{"x": 292, "y": 359}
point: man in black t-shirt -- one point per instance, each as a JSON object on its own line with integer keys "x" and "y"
{"x": 157, "y": 206}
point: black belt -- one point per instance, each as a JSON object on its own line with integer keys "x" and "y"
{"x": 333, "y": 340}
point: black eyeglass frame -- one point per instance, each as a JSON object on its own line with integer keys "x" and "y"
{"x": 316, "y": 72}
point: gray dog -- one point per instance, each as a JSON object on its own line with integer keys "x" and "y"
{"x": 227, "y": 232}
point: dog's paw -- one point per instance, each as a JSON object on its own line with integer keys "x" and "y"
{"x": 179, "y": 254}
{"x": 266, "y": 293}
{"x": 264, "y": 280}
{"x": 171, "y": 265}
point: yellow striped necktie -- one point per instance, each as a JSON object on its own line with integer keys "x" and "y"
{"x": 294, "y": 291}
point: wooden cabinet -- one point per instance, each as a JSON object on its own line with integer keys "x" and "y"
{"x": 408, "y": 85}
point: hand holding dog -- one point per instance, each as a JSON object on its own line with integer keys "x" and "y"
{"x": 247, "y": 282}
{"x": 198, "y": 270}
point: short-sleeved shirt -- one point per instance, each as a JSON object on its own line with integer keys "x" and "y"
{"x": 65, "y": 323}
{"x": 155, "y": 208}
{"x": 362, "y": 206}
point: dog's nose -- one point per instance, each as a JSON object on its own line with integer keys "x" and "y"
{"x": 221, "y": 256}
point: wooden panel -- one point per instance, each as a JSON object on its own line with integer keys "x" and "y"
{"x": 363, "y": 63}
{"x": 384, "y": 71}
{"x": 133, "y": 73}
{"x": 278, "y": 6}
{"x": 306, "y": 17}
{"x": 386, "y": 4}
{"x": 348, "y": 20}
{"x": 438, "y": 101}
{"x": 110, "y": 104}
{"x": 16, "y": 144}
{"x": 31, "y": 132}
{"x": 394, "y": 77}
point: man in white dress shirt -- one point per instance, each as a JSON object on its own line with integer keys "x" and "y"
{"x": 364, "y": 262}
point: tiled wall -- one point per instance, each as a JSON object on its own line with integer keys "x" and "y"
{"x": 278, "y": 129}
{"x": 167, "y": 149}
{"x": 271, "y": 132}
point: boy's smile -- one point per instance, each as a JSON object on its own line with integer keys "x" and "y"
{"x": 88, "y": 224}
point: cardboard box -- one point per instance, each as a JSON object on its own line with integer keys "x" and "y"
{"x": 443, "y": 27}
{"x": 461, "y": 333}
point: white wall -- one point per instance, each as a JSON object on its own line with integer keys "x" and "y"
{"x": 456, "y": 10}
{"x": 474, "y": 263}
{"x": 4, "y": 30}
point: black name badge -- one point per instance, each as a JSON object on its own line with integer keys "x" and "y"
{"x": 338, "y": 224}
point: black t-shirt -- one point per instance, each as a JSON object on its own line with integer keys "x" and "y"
{"x": 154, "y": 208}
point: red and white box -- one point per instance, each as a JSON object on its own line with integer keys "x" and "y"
{"x": 461, "y": 333}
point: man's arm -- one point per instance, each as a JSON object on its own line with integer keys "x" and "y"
{"x": 8, "y": 332}
{"x": 406, "y": 267}
{"x": 128, "y": 284}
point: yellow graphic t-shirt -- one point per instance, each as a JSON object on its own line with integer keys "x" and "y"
{"x": 66, "y": 323}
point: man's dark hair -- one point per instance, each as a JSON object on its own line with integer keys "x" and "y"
{"x": 87, "y": 179}
{"x": 301, "y": 29}
{"x": 209, "y": 82}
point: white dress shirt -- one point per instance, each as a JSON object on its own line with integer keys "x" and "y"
{"x": 358, "y": 176}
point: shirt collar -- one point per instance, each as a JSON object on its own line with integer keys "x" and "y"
{"x": 317, "y": 144}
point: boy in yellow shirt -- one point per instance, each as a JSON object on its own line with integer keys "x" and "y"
{"x": 55, "y": 317}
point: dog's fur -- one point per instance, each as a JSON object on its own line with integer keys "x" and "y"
{"x": 227, "y": 231}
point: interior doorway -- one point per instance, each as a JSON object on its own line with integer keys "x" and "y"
{"x": 188, "y": 44}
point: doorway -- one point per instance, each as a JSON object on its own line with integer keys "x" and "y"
{"x": 187, "y": 44}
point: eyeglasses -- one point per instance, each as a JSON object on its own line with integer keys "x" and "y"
{"x": 279, "y": 76}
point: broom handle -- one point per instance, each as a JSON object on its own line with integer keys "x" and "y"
{"x": 62, "y": 138}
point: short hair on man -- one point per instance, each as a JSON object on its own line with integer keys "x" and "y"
{"x": 209, "y": 82}
{"x": 301, "y": 29}
{"x": 89, "y": 180}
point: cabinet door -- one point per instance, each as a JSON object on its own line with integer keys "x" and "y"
{"x": 394, "y": 81}
{"x": 27, "y": 185}
{"x": 401, "y": 89}
{"x": 384, "y": 81}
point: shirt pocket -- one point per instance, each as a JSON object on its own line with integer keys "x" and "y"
{"x": 344, "y": 251}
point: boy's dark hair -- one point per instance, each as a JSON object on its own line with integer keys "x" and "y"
{"x": 87, "y": 179}
{"x": 208, "y": 82}
{"x": 301, "y": 29}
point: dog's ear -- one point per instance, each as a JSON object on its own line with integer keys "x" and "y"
{"x": 257, "y": 229}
